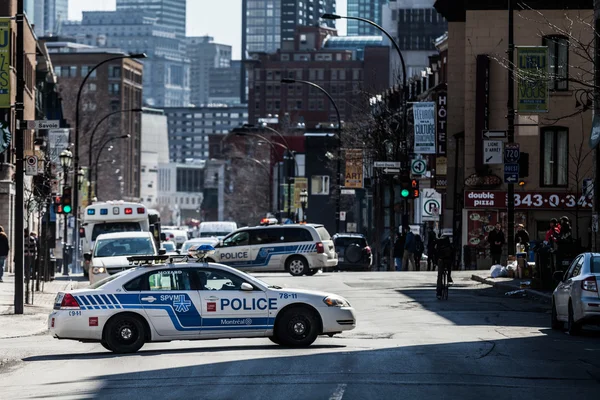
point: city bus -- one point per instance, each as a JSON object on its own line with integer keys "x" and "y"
{"x": 116, "y": 216}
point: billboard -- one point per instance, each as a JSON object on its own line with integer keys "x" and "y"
{"x": 424, "y": 124}
{"x": 532, "y": 85}
{"x": 299, "y": 185}
{"x": 5, "y": 62}
{"x": 354, "y": 169}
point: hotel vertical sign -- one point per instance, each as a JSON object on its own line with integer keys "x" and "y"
{"x": 5, "y": 62}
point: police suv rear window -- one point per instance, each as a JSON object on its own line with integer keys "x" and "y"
{"x": 347, "y": 241}
{"x": 595, "y": 265}
{"x": 323, "y": 233}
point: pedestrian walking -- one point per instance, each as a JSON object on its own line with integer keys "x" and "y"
{"x": 431, "y": 238}
{"x": 419, "y": 249}
{"x": 522, "y": 236}
{"x": 4, "y": 248}
{"x": 30, "y": 252}
{"x": 409, "y": 251}
{"x": 399, "y": 252}
{"x": 496, "y": 241}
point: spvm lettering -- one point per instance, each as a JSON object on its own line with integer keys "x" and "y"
{"x": 249, "y": 304}
{"x": 170, "y": 297}
{"x": 234, "y": 256}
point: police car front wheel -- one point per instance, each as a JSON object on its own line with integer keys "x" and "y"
{"x": 297, "y": 327}
{"x": 297, "y": 265}
{"x": 125, "y": 334}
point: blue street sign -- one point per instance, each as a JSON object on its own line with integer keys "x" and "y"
{"x": 512, "y": 153}
{"x": 511, "y": 173}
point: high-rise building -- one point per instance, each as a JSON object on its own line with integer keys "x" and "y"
{"x": 169, "y": 12}
{"x": 49, "y": 15}
{"x": 205, "y": 55}
{"x": 167, "y": 68}
{"x": 369, "y": 9}
{"x": 224, "y": 86}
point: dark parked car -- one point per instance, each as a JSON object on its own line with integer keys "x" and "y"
{"x": 353, "y": 251}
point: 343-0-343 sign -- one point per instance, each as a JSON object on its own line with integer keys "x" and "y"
{"x": 539, "y": 200}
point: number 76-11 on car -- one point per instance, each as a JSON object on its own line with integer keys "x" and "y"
{"x": 191, "y": 301}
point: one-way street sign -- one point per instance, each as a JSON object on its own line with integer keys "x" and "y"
{"x": 511, "y": 173}
{"x": 494, "y": 134}
{"x": 391, "y": 171}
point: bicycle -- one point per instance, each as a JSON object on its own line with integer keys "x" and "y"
{"x": 443, "y": 280}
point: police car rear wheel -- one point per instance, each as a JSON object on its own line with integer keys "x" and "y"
{"x": 274, "y": 339}
{"x": 298, "y": 327}
{"x": 105, "y": 345}
{"x": 297, "y": 266}
{"x": 125, "y": 334}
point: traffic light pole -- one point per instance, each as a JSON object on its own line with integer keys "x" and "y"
{"x": 65, "y": 227}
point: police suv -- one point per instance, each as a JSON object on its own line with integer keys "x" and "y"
{"x": 167, "y": 298}
{"x": 300, "y": 249}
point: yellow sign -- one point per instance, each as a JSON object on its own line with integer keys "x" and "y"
{"x": 441, "y": 166}
{"x": 354, "y": 169}
{"x": 5, "y": 63}
{"x": 299, "y": 185}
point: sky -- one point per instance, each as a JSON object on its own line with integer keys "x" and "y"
{"x": 204, "y": 17}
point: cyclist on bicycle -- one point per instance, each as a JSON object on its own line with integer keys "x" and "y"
{"x": 445, "y": 255}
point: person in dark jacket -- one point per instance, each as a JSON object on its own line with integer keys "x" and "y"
{"x": 399, "y": 252}
{"x": 496, "y": 241}
{"x": 419, "y": 248}
{"x": 410, "y": 247}
{"x": 522, "y": 236}
{"x": 4, "y": 248}
{"x": 431, "y": 238}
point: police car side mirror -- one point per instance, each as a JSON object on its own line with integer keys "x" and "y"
{"x": 220, "y": 243}
{"x": 247, "y": 287}
{"x": 162, "y": 252}
{"x": 87, "y": 256}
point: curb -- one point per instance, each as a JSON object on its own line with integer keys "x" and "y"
{"x": 504, "y": 286}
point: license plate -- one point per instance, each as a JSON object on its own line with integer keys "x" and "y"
{"x": 341, "y": 259}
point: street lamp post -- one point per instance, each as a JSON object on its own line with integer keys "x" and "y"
{"x": 303, "y": 202}
{"x": 106, "y": 143}
{"x": 339, "y": 146}
{"x": 91, "y": 144}
{"x": 66, "y": 160}
{"x": 77, "y": 124}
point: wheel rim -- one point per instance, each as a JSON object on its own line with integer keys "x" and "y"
{"x": 296, "y": 267}
{"x": 125, "y": 333}
{"x": 299, "y": 327}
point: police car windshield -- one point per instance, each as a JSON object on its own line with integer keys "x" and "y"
{"x": 124, "y": 247}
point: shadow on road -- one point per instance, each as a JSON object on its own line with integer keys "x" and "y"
{"x": 550, "y": 366}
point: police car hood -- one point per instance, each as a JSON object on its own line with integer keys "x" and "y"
{"x": 108, "y": 262}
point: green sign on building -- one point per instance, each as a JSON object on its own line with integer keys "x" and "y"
{"x": 532, "y": 79}
{"x": 5, "y": 62}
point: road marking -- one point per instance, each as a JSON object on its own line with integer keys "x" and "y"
{"x": 339, "y": 392}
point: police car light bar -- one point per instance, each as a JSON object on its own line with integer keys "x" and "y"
{"x": 148, "y": 260}
{"x": 201, "y": 251}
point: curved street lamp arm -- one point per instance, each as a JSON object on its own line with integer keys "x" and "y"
{"x": 278, "y": 134}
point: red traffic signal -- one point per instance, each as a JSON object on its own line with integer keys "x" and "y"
{"x": 414, "y": 185}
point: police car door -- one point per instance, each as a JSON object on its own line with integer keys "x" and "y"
{"x": 235, "y": 250}
{"x": 172, "y": 302}
{"x": 228, "y": 310}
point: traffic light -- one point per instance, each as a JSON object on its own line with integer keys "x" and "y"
{"x": 414, "y": 188}
{"x": 58, "y": 204}
{"x": 67, "y": 206}
{"x": 405, "y": 189}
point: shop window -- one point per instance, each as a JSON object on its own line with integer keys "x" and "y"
{"x": 554, "y": 158}
{"x": 319, "y": 185}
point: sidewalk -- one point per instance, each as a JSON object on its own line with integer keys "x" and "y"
{"x": 510, "y": 285}
{"x": 33, "y": 320}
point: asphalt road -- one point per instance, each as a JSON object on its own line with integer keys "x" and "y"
{"x": 408, "y": 345}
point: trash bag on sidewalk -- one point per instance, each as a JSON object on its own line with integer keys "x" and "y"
{"x": 496, "y": 270}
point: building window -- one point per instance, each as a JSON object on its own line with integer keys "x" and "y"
{"x": 114, "y": 88}
{"x": 114, "y": 72}
{"x": 319, "y": 185}
{"x": 554, "y": 157}
{"x": 558, "y": 60}
{"x": 85, "y": 69}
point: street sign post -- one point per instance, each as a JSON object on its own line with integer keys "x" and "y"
{"x": 348, "y": 191}
{"x": 511, "y": 173}
{"x": 418, "y": 166}
{"x": 494, "y": 134}
{"x": 31, "y": 166}
{"x": 512, "y": 153}
{"x": 387, "y": 164}
{"x": 492, "y": 151}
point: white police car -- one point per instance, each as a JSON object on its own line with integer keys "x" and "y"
{"x": 300, "y": 249}
{"x": 163, "y": 300}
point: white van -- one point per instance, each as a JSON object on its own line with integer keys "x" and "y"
{"x": 300, "y": 249}
{"x": 218, "y": 229}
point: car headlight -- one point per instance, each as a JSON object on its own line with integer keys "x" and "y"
{"x": 98, "y": 270}
{"x": 334, "y": 301}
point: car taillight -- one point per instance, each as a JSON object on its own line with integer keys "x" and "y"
{"x": 69, "y": 302}
{"x": 368, "y": 250}
{"x": 320, "y": 248}
{"x": 590, "y": 284}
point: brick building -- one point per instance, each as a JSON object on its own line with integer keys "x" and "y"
{"x": 557, "y": 177}
{"x": 116, "y": 85}
{"x": 347, "y": 75}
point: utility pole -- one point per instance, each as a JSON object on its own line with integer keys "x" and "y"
{"x": 511, "y": 124}
{"x": 596, "y": 204}
{"x": 20, "y": 144}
